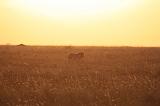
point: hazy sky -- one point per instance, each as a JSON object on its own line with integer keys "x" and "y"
{"x": 80, "y": 22}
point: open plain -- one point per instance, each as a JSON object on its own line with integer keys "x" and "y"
{"x": 103, "y": 76}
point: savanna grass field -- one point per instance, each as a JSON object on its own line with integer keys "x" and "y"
{"x": 105, "y": 76}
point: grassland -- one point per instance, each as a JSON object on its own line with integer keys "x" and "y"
{"x": 107, "y": 76}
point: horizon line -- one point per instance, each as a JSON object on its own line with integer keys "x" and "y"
{"x": 43, "y": 45}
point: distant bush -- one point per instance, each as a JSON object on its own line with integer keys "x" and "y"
{"x": 21, "y": 45}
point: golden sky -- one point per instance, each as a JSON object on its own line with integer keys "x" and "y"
{"x": 80, "y": 22}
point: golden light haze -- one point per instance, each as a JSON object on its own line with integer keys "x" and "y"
{"x": 80, "y": 22}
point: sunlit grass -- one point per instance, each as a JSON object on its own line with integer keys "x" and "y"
{"x": 42, "y": 76}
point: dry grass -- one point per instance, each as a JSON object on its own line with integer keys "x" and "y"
{"x": 113, "y": 76}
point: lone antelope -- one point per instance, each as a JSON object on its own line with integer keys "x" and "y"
{"x": 76, "y": 56}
